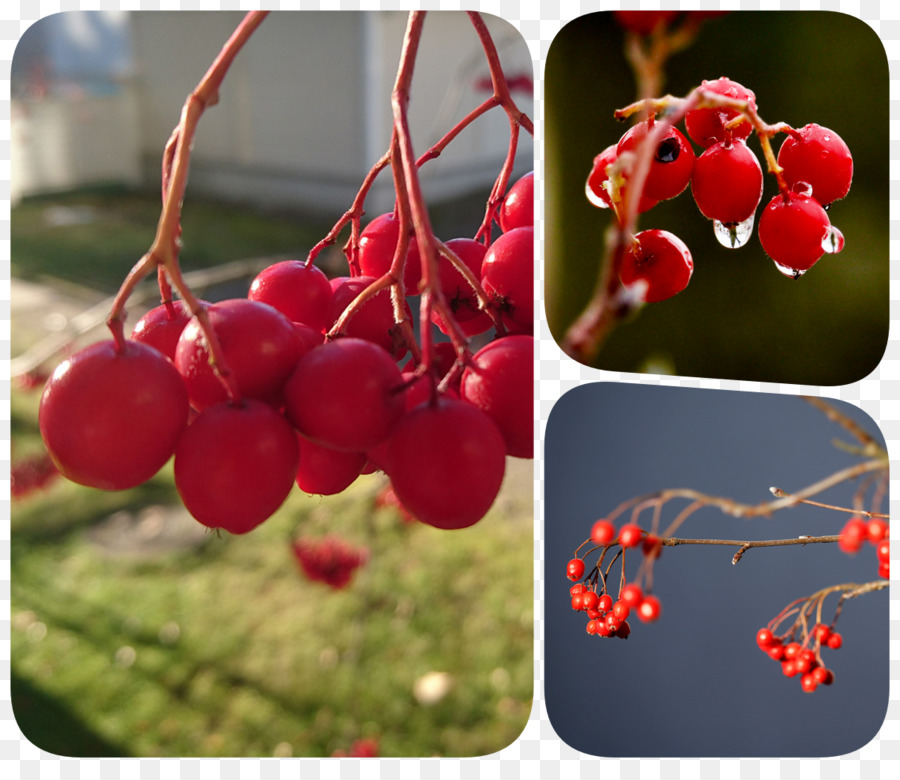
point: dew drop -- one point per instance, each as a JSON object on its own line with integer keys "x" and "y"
{"x": 733, "y": 234}
{"x": 833, "y": 242}
{"x": 802, "y": 188}
{"x": 594, "y": 198}
{"x": 794, "y": 273}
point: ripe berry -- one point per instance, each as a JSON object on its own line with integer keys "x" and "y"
{"x": 575, "y": 569}
{"x": 161, "y": 327}
{"x": 705, "y": 126}
{"x": 300, "y": 291}
{"x": 630, "y": 535}
{"x": 598, "y": 180}
{"x": 792, "y": 650}
{"x": 632, "y": 595}
{"x": 788, "y": 667}
{"x": 819, "y": 157}
{"x": 672, "y": 163}
{"x": 446, "y": 461}
{"x": 373, "y": 320}
{"x": 605, "y": 603}
{"x": 808, "y": 682}
{"x": 835, "y": 640}
{"x": 324, "y": 471}
{"x": 517, "y": 209}
{"x": 775, "y": 652}
{"x": 498, "y": 380}
{"x": 507, "y": 276}
{"x": 727, "y": 182}
{"x": 793, "y": 230}
{"x": 765, "y": 638}
{"x": 591, "y": 599}
{"x": 649, "y": 609}
{"x": 579, "y": 587}
{"x": 821, "y": 633}
{"x": 883, "y": 551}
{"x": 603, "y": 532}
{"x": 651, "y": 546}
{"x": 659, "y": 260}
{"x": 578, "y": 602}
{"x": 110, "y": 418}
{"x": 345, "y": 395}
{"x": 876, "y": 530}
{"x": 235, "y": 465}
{"x": 624, "y": 630}
{"x": 460, "y": 296}
{"x": 377, "y": 245}
{"x": 621, "y": 610}
{"x": 853, "y": 535}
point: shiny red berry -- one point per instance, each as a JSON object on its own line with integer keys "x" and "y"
{"x": 649, "y": 609}
{"x": 727, "y": 182}
{"x": 793, "y": 230}
{"x": 706, "y": 125}
{"x": 820, "y": 158}
{"x": 575, "y": 569}
{"x": 630, "y": 535}
{"x": 671, "y": 164}
{"x": 598, "y": 182}
{"x": 603, "y": 532}
{"x": 660, "y": 262}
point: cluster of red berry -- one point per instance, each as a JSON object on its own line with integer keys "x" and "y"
{"x": 876, "y": 532}
{"x": 813, "y": 169}
{"x": 304, "y": 386}
{"x": 330, "y": 560}
{"x": 31, "y": 473}
{"x": 799, "y": 659}
{"x": 607, "y": 617}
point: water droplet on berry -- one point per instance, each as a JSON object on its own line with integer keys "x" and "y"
{"x": 802, "y": 188}
{"x": 733, "y": 234}
{"x": 794, "y": 273}
{"x": 833, "y": 242}
{"x": 595, "y": 199}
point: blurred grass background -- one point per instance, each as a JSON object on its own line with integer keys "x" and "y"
{"x": 130, "y": 642}
{"x": 739, "y": 318}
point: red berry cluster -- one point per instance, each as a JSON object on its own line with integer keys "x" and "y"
{"x": 857, "y": 531}
{"x": 30, "y": 474}
{"x": 329, "y": 560}
{"x": 299, "y": 383}
{"x": 802, "y": 660}
{"x": 813, "y": 168}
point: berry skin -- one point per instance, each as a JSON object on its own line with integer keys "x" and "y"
{"x": 460, "y": 296}
{"x": 301, "y": 292}
{"x": 377, "y": 244}
{"x": 835, "y": 641}
{"x": 853, "y": 535}
{"x": 706, "y": 126}
{"x": 659, "y": 259}
{"x": 883, "y": 551}
{"x": 161, "y": 327}
{"x": 575, "y": 569}
{"x": 577, "y": 588}
{"x": 765, "y": 638}
{"x": 235, "y": 465}
{"x": 603, "y": 532}
{"x": 632, "y": 595}
{"x": 630, "y": 535}
{"x": 649, "y": 609}
{"x": 324, "y": 471}
{"x": 517, "y": 209}
{"x": 110, "y": 419}
{"x": 621, "y": 610}
{"x": 819, "y": 157}
{"x": 590, "y": 600}
{"x": 727, "y": 182}
{"x": 876, "y": 530}
{"x": 605, "y": 603}
{"x": 507, "y": 276}
{"x": 808, "y": 682}
{"x": 792, "y": 230}
{"x": 595, "y": 190}
{"x": 374, "y": 320}
{"x": 671, "y": 166}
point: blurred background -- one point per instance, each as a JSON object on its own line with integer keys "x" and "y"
{"x": 134, "y": 632}
{"x": 739, "y": 318}
{"x": 694, "y": 683}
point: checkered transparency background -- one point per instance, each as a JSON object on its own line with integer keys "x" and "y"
{"x": 538, "y": 753}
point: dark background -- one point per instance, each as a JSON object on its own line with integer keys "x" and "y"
{"x": 695, "y": 683}
{"x": 739, "y": 318}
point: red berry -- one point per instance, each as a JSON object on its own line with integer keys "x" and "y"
{"x": 630, "y": 535}
{"x": 821, "y": 633}
{"x": 605, "y": 603}
{"x": 775, "y": 652}
{"x": 578, "y": 602}
{"x": 598, "y": 180}
{"x": 672, "y": 163}
{"x": 853, "y": 535}
{"x": 517, "y": 209}
{"x": 821, "y": 675}
{"x": 765, "y": 638}
{"x": 459, "y": 293}
{"x": 235, "y": 465}
{"x": 603, "y": 532}
{"x": 792, "y": 650}
{"x": 624, "y": 630}
{"x": 377, "y": 245}
{"x": 788, "y": 667}
{"x": 345, "y": 395}
{"x": 876, "y": 530}
{"x": 793, "y": 230}
{"x": 499, "y": 380}
{"x": 300, "y": 291}
{"x": 507, "y": 276}
{"x": 649, "y": 609}
{"x": 651, "y": 546}
{"x": 590, "y": 599}
{"x": 591, "y": 626}
{"x": 575, "y": 569}
{"x": 260, "y": 348}
{"x": 883, "y": 551}
{"x": 577, "y": 588}
{"x": 621, "y": 610}
{"x": 705, "y": 126}
{"x": 808, "y": 682}
{"x": 373, "y": 320}
{"x": 161, "y": 327}
{"x": 727, "y": 182}
{"x": 111, "y": 418}
{"x": 325, "y": 471}
{"x": 820, "y": 158}
{"x": 660, "y": 261}
{"x": 644, "y": 22}
{"x": 632, "y": 595}
{"x": 884, "y": 571}
{"x": 612, "y": 622}
{"x": 835, "y": 640}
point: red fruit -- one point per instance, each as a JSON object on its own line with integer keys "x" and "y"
{"x": 876, "y": 530}
{"x": 517, "y": 209}
{"x": 446, "y": 462}
{"x": 111, "y": 418}
{"x": 821, "y": 633}
{"x": 884, "y": 570}
{"x": 808, "y": 682}
{"x": 604, "y": 604}
{"x": 329, "y": 560}
{"x": 853, "y": 535}
{"x": 788, "y": 667}
{"x": 672, "y": 163}
{"x": 793, "y": 230}
{"x": 727, "y": 183}
{"x": 601, "y": 628}
{"x": 651, "y": 546}
{"x": 612, "y": 622}
{"x": 345, "y": 395}
{"x": 660, "y": 261}
{"x": 373, "y": 320}
{"x": 649, "y": 609}
{"x": 792, "y": 650}
{"x": 644, "y": 22}
{"x": 590, "y": 599}
{"x": 460, "y": 296}
{"x": 300, "y": 291}
{"x": 591, "y": 626}
{"x": 260, "y": 348}
{"x": 325, "y": 471}
{"x": 820, "y": 158}
{"x": 765, "y": 638}
{"x": 624, "y": 630}
{"x": 621, "y": 610}
{"x": 603, "y": 532}
{"x": 705, "y": 126}
{"x": 630, "y": 535}
{"x": 377, "y": 245}
{"x": 775, "y": 652}
{"x": 835, "y": 640}
{"x": 578, "y": 602}
{"x": 499, "y": 380}
{"x": 161, "y": 327}
{"x": 595, "y": 187}
{"x": 883, "y": 551}
{"x": 235, "y": 465}
{"x": 577, "y": 588}
{"x": 632, "y": 595}
{"x": 507, "y": 276}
